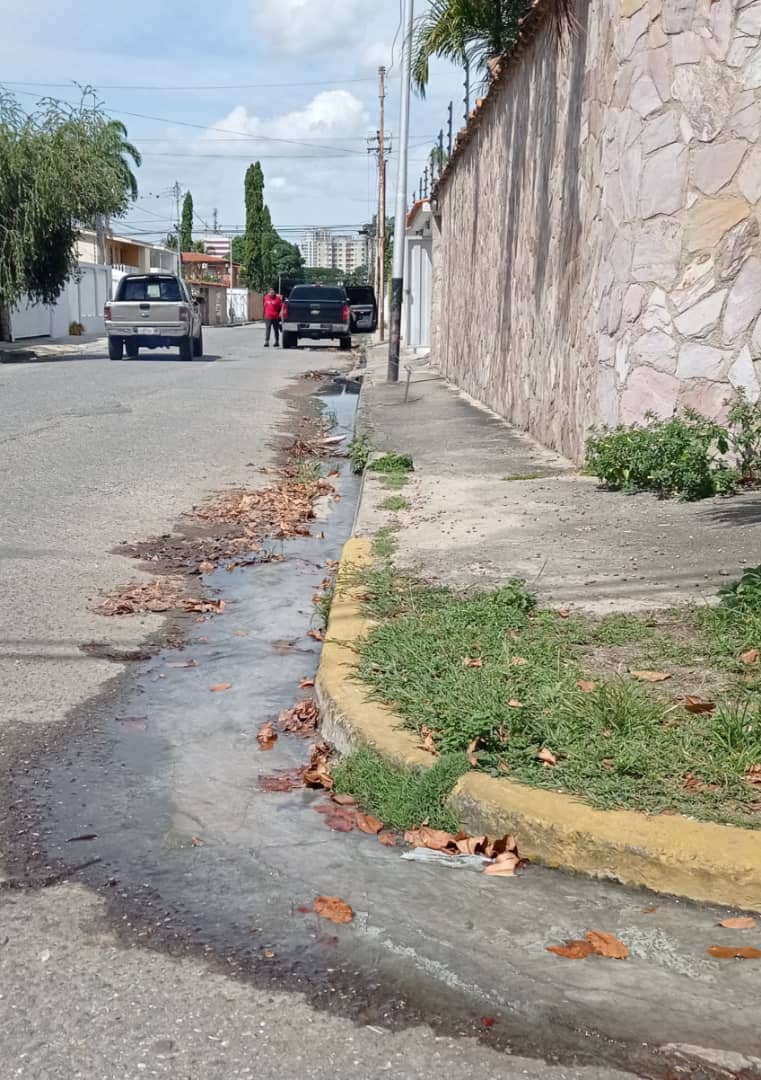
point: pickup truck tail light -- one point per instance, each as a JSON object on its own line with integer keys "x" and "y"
{"x": 107, "y": 313}
{"x": 284, "y": 312}
{"x": 345, "y": 314}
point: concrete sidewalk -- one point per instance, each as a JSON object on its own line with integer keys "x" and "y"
{"x": 41, "y": 349}
{"x": 489, "y": 504}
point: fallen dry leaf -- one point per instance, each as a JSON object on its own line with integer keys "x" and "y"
{"x": 473, "y": 661}
{"x": 306, "y": 684}
{"x": 572, "y": 949}
{"x": 269, "y": 954}
{"x": 731, "y": 952}
{"x": 283, "y": 646}
{"x": 302, "y": 719}
{"x": 266, "y": 737}
{"x": 429, "y": 743}
{"x": 518, "y": 661}
{"x": 751, "y": 656}
{"x": 753, "y": 776}
{"x": 318, "y": 773}
{"x": 471, "y": 753}
{"x": 388, "y": 839}
{"x": 332, "y": 564}
{"x": 606, "y": 945}
{"x": 220, "y": 687}
{"x": 316, "y": 635}
{"x": 503, "y": 866}
{"x": 564, "y": 613}
{"x": 344, "y": 800}
{"x": 648, "y": 910}
{"x": 207, "y": 567}
{"x": 547, "y": 758}
{"x": 339, "y": 823}
{"x": 503, "y": 766}
{"x": 506, "y": 843}
{"x": 697, "y": 705}
{"x": 650, "y": 676}
{"x": 586, "y": 686}
{"x": 488, "y": 1021}
{"x": 215, "y": 607}
{"x": 334, "y": 909}
{"x": 366, "y": 823}
{"x": 435, "y": 839}
{"x": 741, "y": 922}
{"x": 515, "y": 704}
{"x": 471, "y": 845}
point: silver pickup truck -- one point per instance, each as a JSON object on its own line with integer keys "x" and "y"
{"x": 153, "y": 311}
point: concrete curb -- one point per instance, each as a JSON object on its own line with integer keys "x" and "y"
{"x": 698, "y": 860}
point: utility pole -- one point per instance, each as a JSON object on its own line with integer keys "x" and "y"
{"x": 177, "y": 192}
{"x": 215, "y": 218}
{"x": 467, "y": 91}
{"x": 382, "y": 207}
{"x": 400, "y": 216}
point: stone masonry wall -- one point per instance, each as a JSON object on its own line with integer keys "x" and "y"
{"x": 597, "y": 251}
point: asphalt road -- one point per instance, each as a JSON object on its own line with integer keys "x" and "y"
{"x": 154, "y": 963}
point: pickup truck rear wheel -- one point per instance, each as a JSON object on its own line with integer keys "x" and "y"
{"x": 186, "y": 348}
{"x": 290, "y": 340}
{"x": 198, "y": 344}
{"x": 346, "y": 343}
{"x": 115, "y": 348}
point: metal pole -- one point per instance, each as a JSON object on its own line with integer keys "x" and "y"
{"x": 382, "y": 210}
{"x": 177, "y": 193}
{"x": 467, "y": 91}
{"x": 400, "y": 216}
{"x": 449, "y": 129}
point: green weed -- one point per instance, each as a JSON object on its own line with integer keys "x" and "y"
{"x": 359, "y": 453}
{"x": 392, "y": 463}
{"x": 395, "y": 503}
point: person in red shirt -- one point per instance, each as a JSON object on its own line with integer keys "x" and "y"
{"x": 273, "y": 305}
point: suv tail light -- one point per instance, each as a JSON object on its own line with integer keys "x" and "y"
{"x": 345, "y": 313}
{"x": 284, "y": 312}
{"x": 107, "y": 313}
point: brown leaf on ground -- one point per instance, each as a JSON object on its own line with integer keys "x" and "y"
{"x": 650, "y": 676}
{"x": 388, "y": 839}
{"x": 586, "y": 686}
{"x": 318, "y": 773}
{"x": 741, "y": 922}
{"x": 205, "y": 607}
{"x": 648, "y": 910}
{"x": 344, "y": 800}
{"x": 332, "y": 564}
{"x": 515, "y": 704}
{"x": 316, "y": 635}
{"x": 518, "y": 661}
{"x": 306, "y": 684}
{"x": 471, "y": 754}
{"x": 564, "y": 613}
{"x": 471, "y": 845}
{"x": 488, "y": 1021}
{"x": 503, "y": 866}
{"x": 269, "y": 954}
{"x": 283, "y": 646}
{"x": 435, "y": 839}
{"x": 606, "y": 945}
{"x": 572, "y": 950}
{"x": 608, "y": 763}
{"x": 366, "y": 823}
{"x": 221, "y": 687}
{"x": 731, "y": 952}
{"x": 339, "y": 823}
{"x": 503, "y": 766}
{"x": 751, "y": 656}
{"x": 429, "y": 743}
{"x": 334, "y": 909}
{"x": 266, "y": 737}
{"x": 504, "y": 844}
{"x": 302, "y": 719}
{"x": 473, "y": 661}
{"x": 695, "y": 786}
{"x": 697, "y": 705}
{"x": 282, "y": 780}
{"x": 547, "y": 758}
{"x": 163, "y": 593}
{"x": 207, "y": 567}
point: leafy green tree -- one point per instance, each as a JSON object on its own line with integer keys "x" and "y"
{"x": 254, "y": 195}
{"x": 323, "y": 275}
{"x": 266, "y": 241}
{"x": 287, "y": 260}
{"x": 127, "y": 153}
{"x": 186, "y": 223}
{"x": 472, "y": 32}
{"x": 60, "y": 166}
{"x": 359, "y": 276}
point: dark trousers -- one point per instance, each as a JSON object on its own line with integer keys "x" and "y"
{"x": 272, "y": 324}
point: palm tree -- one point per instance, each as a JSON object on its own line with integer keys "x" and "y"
{"x": 128, "y": 155}
{"x": 472, "y": 32}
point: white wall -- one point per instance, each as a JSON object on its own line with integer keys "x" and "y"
{"x": 81, "y": 301}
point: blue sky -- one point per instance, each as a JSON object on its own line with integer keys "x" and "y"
{"x": 300, "y": 71}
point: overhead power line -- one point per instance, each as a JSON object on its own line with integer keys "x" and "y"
{"x": 170, "y": 87}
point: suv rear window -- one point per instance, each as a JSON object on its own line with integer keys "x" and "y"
{"x": 317, "y": 292}
{"x": 151, "y": 288}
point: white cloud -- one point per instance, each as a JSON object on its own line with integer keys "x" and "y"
{"x": 304, "y": 26}
{"x": 277, "y": 183}
{"x": 329, "y": 120}
{"x": 377, "y": 54}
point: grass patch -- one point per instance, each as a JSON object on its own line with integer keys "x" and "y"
{"x": 525, "y": 476}
{"x": 622, "y": 743}
{"x": 392, "y": 463}
{"x": 309, "y": 471}
{"x": 395, "y": 481}
{"x": 402, "y": 798}
{"x": 395, "y": 503}
{"x": 385, "y": 542}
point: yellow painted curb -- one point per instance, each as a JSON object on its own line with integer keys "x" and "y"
{"x": 698, "y": 860}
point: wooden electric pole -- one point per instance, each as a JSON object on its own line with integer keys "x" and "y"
{"x": 382, "y": 208}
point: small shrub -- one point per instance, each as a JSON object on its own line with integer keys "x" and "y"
{"x": 744, "y": 594}
{"x": 76, "y": 329}
{"x": 359, "y": 453}
{"x": 676, "y": 457}
{"x": 744, "y": 420}
{"x": 393, "y": 463}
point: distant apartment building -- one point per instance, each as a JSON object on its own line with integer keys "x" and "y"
{"x": 216, "y": 244}
{"x": 334, "y": 251}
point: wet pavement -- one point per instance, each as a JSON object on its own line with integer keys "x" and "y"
{"x": 179, "y": 947}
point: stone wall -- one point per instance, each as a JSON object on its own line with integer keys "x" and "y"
{"x": 597, "y": 250}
